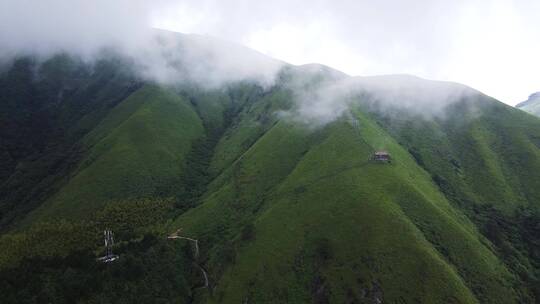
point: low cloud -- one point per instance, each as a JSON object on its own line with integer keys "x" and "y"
{"x": 390, "y": 95}
{"x": 86, "y": 28}
{"x": 173, "y": 58}
{"x": 82, "y": 27}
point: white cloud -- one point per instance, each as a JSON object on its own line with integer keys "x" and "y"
{"x": 491, "y": 45}
{"x": 86, "y": 27}
{"x": 488, "y": 44}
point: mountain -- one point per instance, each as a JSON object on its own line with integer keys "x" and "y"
{"x": 274, "y": 179}
{"x": 531, "y": 105}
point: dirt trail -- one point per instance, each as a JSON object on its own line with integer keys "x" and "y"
{"x": 175, "y": 236}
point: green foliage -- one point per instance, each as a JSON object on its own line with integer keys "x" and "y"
{"x": 517, "y": 241}
{"x": 248, "y": 232}
{"x": 56, "y": 261}
{"x": 322, "y": 250}
{"x": 46, "y": 240}
{"x": 148, "y": 271}
{"x": 134, "y": 217}
{"x": 129, "y": 219}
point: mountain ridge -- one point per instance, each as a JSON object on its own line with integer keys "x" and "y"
{"x": 283, "y": 209}
{"x": 531, "y": 105}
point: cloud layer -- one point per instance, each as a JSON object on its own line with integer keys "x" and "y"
{"x": 488, "y": 45}
{"x": 491, "y": 45}
{"x": 85, "y": 28}
{"x": 43, "y": 27}
{"x": 389, "y": 95}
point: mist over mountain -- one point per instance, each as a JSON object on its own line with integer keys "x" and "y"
{"x": 228, "y": 176}
{"x": 531, "y": 105}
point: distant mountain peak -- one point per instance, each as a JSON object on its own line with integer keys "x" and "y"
{"x": 533, "y": 98}
{"x": 531, "y": 105}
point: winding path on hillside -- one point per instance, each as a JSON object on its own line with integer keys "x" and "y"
{"x": 175, "y": 236}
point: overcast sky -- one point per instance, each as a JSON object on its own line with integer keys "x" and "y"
{"x": 491, "y": 45}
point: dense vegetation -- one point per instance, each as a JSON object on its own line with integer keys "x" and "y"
{"x": 55, "y": 262}
{"x": 282, "y": 211}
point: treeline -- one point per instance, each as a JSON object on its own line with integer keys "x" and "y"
{"x": 55, "y": 262}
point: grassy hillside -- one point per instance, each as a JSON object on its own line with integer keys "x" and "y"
{"x": 45, "y": 108}
{"x": 316, "y": 225}
{"x": 489, "y": 159}
{"x": 138, "y": 150}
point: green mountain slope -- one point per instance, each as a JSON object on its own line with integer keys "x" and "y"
{"x": 323, "y": 232}
{"x": 491, "y": 159}
{"x": 138, "y": 150}
{"x": 45, "y": 107}
{"x": 284, "y": 210}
